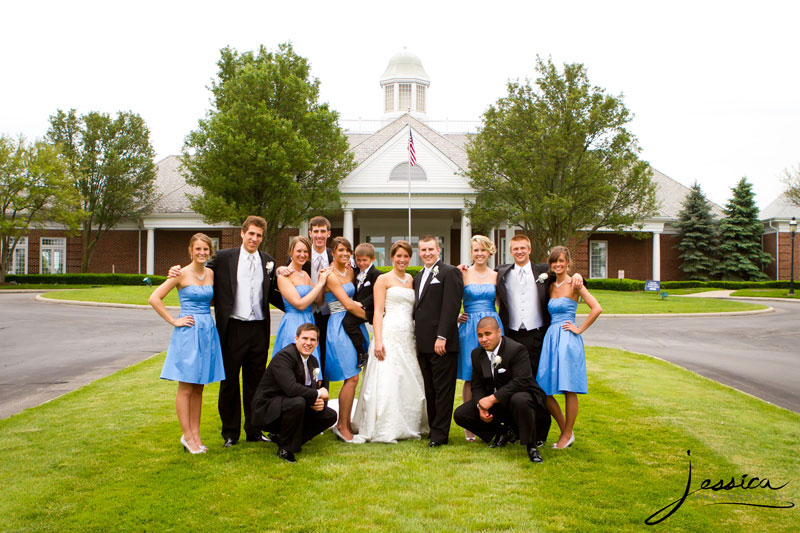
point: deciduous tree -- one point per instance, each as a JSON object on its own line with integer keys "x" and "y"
{"x": 555, "y": 158}
{"x": 110, "y": 162}
{"x": 268, "y": 147}
{"x": 792, "y": 180}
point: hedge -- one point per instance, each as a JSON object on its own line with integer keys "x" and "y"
{"x": 84, "y": 279}
{"x": 638, "y": 285}
{"x": 413, "y": 270}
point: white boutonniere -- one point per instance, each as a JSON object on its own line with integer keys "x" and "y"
{"x": 316, "y": 373}
{"x": 497, "y": 360}
{"x": 269, "y": 266}
{"x": 435, "y": 270}
{"x": 542, "y": 277}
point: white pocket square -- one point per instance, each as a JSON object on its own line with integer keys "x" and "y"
{"x": 501, "y": 370}
{"x": 434, "y": 281}
{"x": 366, "y": 284}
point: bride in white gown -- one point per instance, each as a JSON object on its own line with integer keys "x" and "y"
{"x": 391, "y": 405}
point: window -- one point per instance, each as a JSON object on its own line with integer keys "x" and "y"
{"x": 405, "y": 96}
{"x": 379, "y": 242}
{"x": 19, "y": 262}
{"x": 388, "y": 104}
{"x": 400, "y": 173}
{"x": 215, "y": 242}
{"x": 598, "y": 259}
{"x": 421, "y": 98}
{"x": 53, "y": 256}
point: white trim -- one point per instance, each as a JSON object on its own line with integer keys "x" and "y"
{"x": 59, "y": 245}
{"x": 21, "y": 247}
{"x": 605, "y": 264}
{"x": 656, "y": 256}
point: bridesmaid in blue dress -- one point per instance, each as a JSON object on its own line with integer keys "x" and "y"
{"x": 480, "y": 283}
{"x": 194, "y": 357}
{"x": 562, "y": 367}
{"x": 341, "y": 359}
{"x": 298, "y": 294}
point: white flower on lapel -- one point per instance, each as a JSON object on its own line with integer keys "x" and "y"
{"x": 497, "y": 360}
{"x": 435, "y": 270}
{"x": 542, "y": 277}
{"x": 316, "y": 373}
{"x": 269, "y": 266}
{"x": 361, "y": 277}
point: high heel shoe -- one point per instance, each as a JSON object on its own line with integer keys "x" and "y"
{"x": 339, "y": 436}
{"x": 567, "y": 445}
{"x": 187, "y": 449}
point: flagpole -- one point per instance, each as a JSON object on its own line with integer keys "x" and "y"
{"x": 409, "y": 177}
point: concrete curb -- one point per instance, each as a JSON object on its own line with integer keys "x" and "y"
{"x": 280, "y": 313}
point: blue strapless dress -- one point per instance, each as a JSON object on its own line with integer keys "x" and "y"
{"x": 194, "y": 354}
{"x": 291, "y": 320}
{"x": 340, "y": 354}
{"x": 562, "y": 367}
{"x": 478, "y": 303}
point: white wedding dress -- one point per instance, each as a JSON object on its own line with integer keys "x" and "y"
{"x": 391, "y": 405}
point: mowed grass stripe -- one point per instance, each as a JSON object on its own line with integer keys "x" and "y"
{"x": 107, "y": 457}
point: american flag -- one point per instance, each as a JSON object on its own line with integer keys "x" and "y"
{"x": 412, "y": 156}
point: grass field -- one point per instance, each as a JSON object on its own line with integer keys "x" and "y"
{"x": 107, "y": 457}
{"x": 768, "y": 293}
{"x": 612, "y": 301}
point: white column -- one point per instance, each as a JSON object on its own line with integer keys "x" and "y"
{"x": 151, "y": 251}
{"x": 507, "y": 259}
{"x": 491, "y": 236}
{"x": 656, "y": 256}
{"x": 466, "y": 236}
{"x": 347, "y": 228}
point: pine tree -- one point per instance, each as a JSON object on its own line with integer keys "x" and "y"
{"x": 698, "y": 236}
{"x": 740, "y": 251}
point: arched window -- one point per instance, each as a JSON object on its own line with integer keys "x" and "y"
{"x": 400, "y": 173}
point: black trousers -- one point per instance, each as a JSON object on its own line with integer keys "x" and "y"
{"x": 245, "y": 349}
{"x": 352, "y": 327}
{"x": 439, "y": 375}
{"x": 532, "y": 341}
{"x": 521, "y": 415}
{"x": 299, "y": 423}
{"x": 321, "y": 322}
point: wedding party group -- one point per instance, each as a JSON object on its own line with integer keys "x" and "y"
{"x": 514, "y": 344}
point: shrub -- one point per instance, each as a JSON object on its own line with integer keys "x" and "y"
{"x": 413, "y": 270}
{"x": 615, "y": 284}
{"x": 85, "y": 279}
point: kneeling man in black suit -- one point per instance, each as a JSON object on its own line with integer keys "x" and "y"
{"x": 505, "y": 396}
{"x": 287, "y": 402}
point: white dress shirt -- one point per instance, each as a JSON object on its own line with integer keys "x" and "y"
{"x": 523, "y": 299}
{"x": 306, "y": 372}
{"x": 249, "y": 287}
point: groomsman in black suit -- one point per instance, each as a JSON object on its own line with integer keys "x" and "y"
{"x": 288, "y": 402}
{"x": 438, "y": 288}
{"x": 523, "y": 290}
{"x": 506, "y": 400}
{"x": 244, "y": 286}
{"x": 365, "y": 280}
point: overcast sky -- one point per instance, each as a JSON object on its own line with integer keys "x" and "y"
{"x": 713, "y": 85}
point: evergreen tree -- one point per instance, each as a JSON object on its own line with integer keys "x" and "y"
{"x": 740, "y": 251}
{"x": 698, "y": 236}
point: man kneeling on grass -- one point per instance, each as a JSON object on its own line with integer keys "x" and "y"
{"x": 288, "y": 402}
{"x": 506, "y": 400}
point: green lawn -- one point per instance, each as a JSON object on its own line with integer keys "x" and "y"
{"x": 768, "y": 293}
{"x": 612, "y": 301}
{"x": 107, "y": 457}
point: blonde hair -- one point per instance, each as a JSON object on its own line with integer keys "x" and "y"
{"x": 485, "y": 243}
{"x": 202, "y": 237}
{"x": 299, "y": 239}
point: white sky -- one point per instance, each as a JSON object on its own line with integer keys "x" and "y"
{"x": 713, "y": 85}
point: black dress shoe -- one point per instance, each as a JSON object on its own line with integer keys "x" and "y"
{"x": 502, "y": 438}
{"x": 230, "y": 442}
{"x": 286, "y": 455}
{"x": 257, "y": 438}
{"x": 362, "y": 360}
{"x": 539, "y": 443}
{"x": 434, "y": 444}
{"x": 533, "y": 455}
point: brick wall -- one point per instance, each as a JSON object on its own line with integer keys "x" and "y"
{"x": 785, "y": 253}
{"x": 768, "y": 245}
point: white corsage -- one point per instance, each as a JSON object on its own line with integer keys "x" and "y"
{"x": 269, "y": 266}
{"x": 435, "y": 270}
{"x": 497, "y": 360}
{"x": 542, "y": 277}
{"x": 316, "y": 373}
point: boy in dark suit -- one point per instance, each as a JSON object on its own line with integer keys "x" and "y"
{"x": 365, "y": 283}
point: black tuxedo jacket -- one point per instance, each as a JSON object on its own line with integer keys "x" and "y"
{"x": 225, "y": 265}
{"x": 284, "y": 378}
{"x": 364, "y": 295}
{"x": 512, "y": 375}
{"x": 437, "y": 308}
{"x": 543, "y": 292}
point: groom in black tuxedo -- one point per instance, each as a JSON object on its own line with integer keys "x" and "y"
{"x": 506, "y": 400}
{"x": 438, "y": 290}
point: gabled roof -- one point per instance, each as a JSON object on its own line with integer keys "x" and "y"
{"x": 171, "y": 187}
{"x": 671, "y": 195}
{"x": 372, "y": 143}
{"x": 781, "y": 208}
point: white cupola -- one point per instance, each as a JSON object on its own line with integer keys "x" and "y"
{"x": 405, "y": 84}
